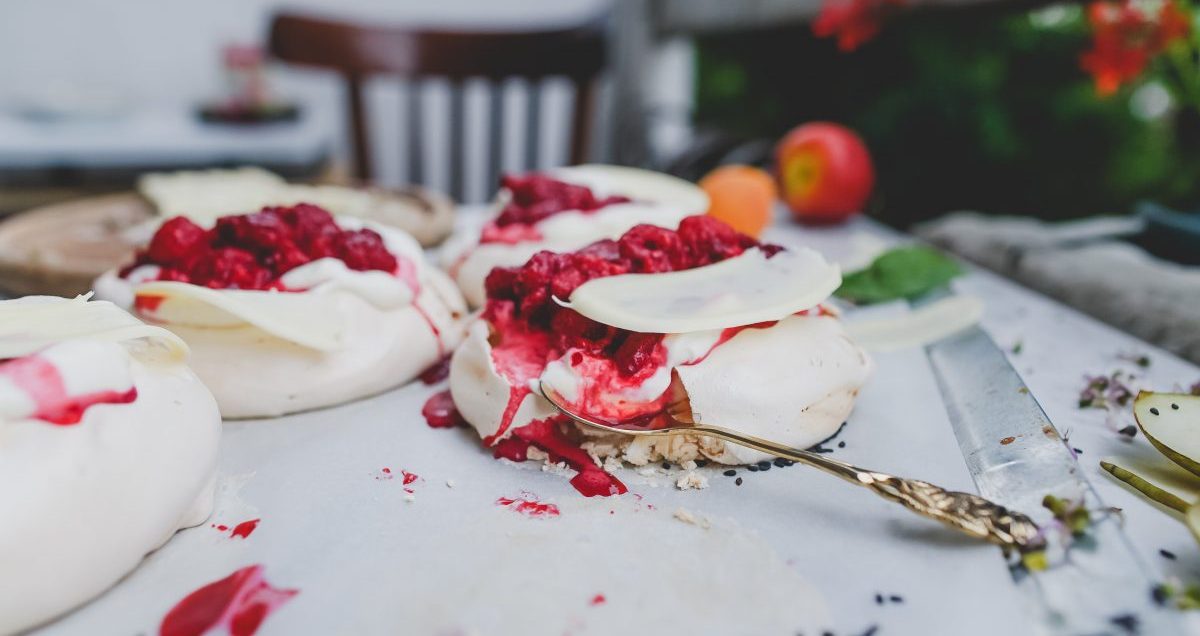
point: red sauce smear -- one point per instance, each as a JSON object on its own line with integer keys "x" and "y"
{"x": 409, "y": 477}
{"x": 147, "y": 302}
{"x": 236, "y": 604}
{"x": 528, "y": 505}
{"x": 38, "y": 378}
{"x": 437, "y": 371}
{"x": 598, "y": 600}
{"x": 439, "y": 411}
{"x": 245, "y": 528}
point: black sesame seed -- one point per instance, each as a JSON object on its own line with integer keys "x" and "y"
{"x": 738, "y": 481}
{"x": 1154, "y": 410}
{"x": 701, "y": 463}
{"x": 1160, "y": 593}
{"x": 879, "y": 599}
{"x": 782, "y": 463}
{"x": 666, "y": 465}
{"x": 1167, "y": 554}
{"x": 896, "y": 598}
{"x": 871, "y": 630}
{"x": 1127, "y": 622}
{"x": 1128, "y": 431}
{"x": 752, "y": 468}
{"x": 1078, "y": 451}
{"x": 1174, "y": 406}
{"x": 843, "y": 445}
{"x": 729, "y": 473}
{"x": 764, "y": 465}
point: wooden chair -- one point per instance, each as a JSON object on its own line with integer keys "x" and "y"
{"x": 358, "y": 51}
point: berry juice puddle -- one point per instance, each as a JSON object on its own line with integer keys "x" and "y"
{"x": 530, "y": 331}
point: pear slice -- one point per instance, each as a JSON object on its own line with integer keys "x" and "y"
{"x": 33, "y": 323}
{"x": 1189, "y": 511}
{"x": 1171, "y": 421}
{"x": 639, "y": 185}
{"x": 743, "y": 290}
{"x": 310, "y": 320}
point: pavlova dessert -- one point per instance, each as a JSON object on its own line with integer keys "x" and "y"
{"x": 563, "y": 210}
{"x": 702, "y": 317}
{"x": 290, "y": 309}
{"x": 108, "y": 445}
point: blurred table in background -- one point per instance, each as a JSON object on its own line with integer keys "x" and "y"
{"x": 50, "y": 159}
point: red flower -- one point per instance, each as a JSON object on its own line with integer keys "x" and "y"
{"x": 853, "y": 21}
{"x": 1124, "y": 40}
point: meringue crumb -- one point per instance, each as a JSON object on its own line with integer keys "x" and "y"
{"x": 409, "y": 497}
{"x": 689, "y": 464}
{"x": 449, "y": 483}
{"x": 692, "y": 480}
{"x": 612, "y": 464}
{"x": 648, "y": 471}
{"x": 534, "y": 454}
{"x": 686, "y": 516}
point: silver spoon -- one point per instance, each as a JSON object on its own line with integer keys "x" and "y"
{"x": 968, "y": 513}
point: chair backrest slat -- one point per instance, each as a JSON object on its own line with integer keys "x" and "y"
{"x": 357, "y": 51}
{"x": 496, "y": 118}
{"x": 458, "y": 124}
{"x": 416, "y": 134}
{"x": 533, "y": 121}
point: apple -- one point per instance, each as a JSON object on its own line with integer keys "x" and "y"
{"x": 825, "y": 172}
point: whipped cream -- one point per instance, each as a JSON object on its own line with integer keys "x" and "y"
{"x": 341, "y": 335}
{"x": 793, "y": 382}
{"x": 84, "y": 501}
{"x": 656, "y": 199}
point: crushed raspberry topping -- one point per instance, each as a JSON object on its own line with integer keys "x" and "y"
{"x": 536, "y": 197}
{"x": 252, "y": 251}
{"x": 522, "y": 297}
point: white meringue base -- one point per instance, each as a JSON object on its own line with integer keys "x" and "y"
{"x": 253, "y": 373}
{"x": 82, "y": 504}
{"x": 793, "y": 383}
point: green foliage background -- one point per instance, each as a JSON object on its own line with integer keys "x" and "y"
{"x": 962, "y": 109}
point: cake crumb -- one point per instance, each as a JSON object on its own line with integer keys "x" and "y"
{"x": 534, "y": 454}
{"x": 689, "y": 464}
{"x": 692, "y": 480}
{"x": 449, "y": 483}
{"x": 686, "y": 516}
{"x": 612, "y": 464}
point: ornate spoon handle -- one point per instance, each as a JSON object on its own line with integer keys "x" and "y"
{"x": 963, "y": 511}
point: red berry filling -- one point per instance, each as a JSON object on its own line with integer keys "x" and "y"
{"x": 522, "y": 297}
{"x": 252, "y": 251}
{"x": 536, "y": 197}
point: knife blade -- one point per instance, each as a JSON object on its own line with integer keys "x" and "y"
{"x": 1102, "y": 578}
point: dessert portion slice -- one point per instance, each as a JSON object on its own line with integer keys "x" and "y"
{"x": 290, "y": 309}
{"x": 774, "y": 363}
{"x": 563, "y": 210}
{"x": 108, "y": 445}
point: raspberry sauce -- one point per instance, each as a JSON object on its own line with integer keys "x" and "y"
{"x": 39, "y": 379}
{"x": 236, "y": 604}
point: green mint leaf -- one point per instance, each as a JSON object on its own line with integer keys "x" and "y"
{"x": 903, "y": 272}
